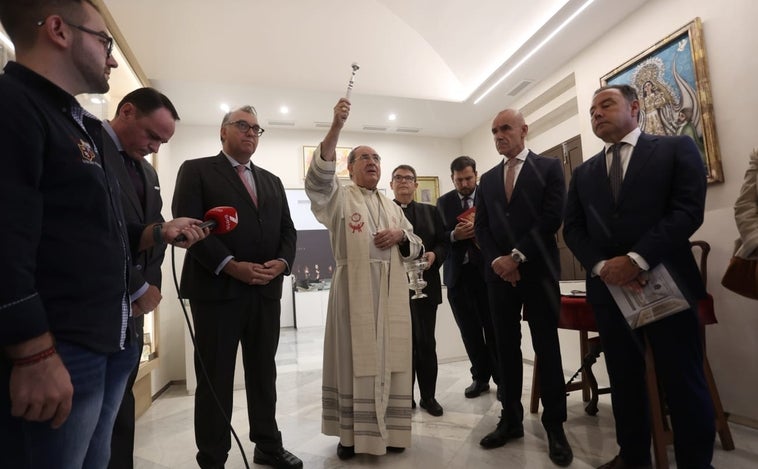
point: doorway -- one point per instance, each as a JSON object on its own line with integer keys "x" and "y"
{"x": 570, "y": 153}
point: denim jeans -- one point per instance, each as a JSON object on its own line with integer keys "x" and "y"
{"x": 84, "y": 440}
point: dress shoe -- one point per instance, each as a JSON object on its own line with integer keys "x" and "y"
{"x": 618, "y": 463}
{"x": 559, "y": 449}
{"x": 345, "y": 452}
{"x": 476, "y": 388}
{"x": 282, "y": 459}
{"x": 395, "y": 449}
{"x": 432, "y": 406}
{"x": 502, "y": 433}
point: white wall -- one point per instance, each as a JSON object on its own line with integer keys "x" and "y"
{"x": 729, "y": 42}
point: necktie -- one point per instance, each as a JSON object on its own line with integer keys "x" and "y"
{"x": 241, "y": 172}
{"x": 615, "y": 174}
{"x": 135, "y": 177}
{"x": 466, "y": 202}
{"x": 510, "y": 177}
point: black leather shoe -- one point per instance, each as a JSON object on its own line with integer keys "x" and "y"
{"x": 502, "y": 433}
{"x": 345, "y": 452}
{"x": 280, "y": 460}
{"x": 476, "y": 388}
{"x": 395, "y": 449}
{"x": 559, "y": 449}
{"x": 432, "y": 406}
{"x": 618, "y": 463}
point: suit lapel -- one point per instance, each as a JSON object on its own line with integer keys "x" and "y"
{"x": 127, "y": 188}
{"x": 527, "y": 173}
{"x": 643, "y": 151}
{"x": 598, "y": 170}
{"x": 228, "y": 172}
{"x": 151, "y": 188}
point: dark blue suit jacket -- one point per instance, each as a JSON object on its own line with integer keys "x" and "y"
{"x": 660, "y": 206}
{"x": 146, "y": 265}
{"x": 449, "y": 207}
{"x": 528, "y": 222}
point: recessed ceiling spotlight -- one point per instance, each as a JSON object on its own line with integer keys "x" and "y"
{"x": 225, "y": 107}
{"x": 392, "y": 117}
{"x": 284, "y": 110}
{"x": 96, "y": 100}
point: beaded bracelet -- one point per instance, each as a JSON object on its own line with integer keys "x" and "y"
{"x": 36, "y": 358}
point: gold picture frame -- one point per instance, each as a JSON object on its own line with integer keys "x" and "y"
{"x": 342, "y": 153}
{"x": 428, "y": 189}
{"x": 671, "y": 79}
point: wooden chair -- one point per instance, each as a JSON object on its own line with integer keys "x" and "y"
{"x": 662, "y": 434}
{"x": 574, "y": 316}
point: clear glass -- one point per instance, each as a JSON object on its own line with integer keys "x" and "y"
{"x": 415, "y": 271}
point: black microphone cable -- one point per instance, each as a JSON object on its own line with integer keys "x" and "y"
{"x": 200, "y": 360}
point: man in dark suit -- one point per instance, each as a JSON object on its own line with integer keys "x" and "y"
{"x": 464, "y": 277}
{"x": 144, "y": 120}
{"x": 519, "y": 209}
{"x": 234, "y": 284}
{"x": 427, "y": 224}
{"x": 618, "y": 230}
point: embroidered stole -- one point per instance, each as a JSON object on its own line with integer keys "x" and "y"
{"x": 394, "y": 311}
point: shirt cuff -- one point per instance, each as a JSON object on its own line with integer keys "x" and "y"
{"x": 287, "y": 270}
{"x": 639, "y": 260}
{"x": 136, "y": 295}
{"x": 223, "y": 264}
{"x": 598, "y": 267}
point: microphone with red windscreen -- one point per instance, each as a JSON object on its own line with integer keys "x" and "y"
{"x": 219, "y": 220}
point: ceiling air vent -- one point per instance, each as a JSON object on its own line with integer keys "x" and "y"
{"x": 408, "y": 130}
{"x": 375, "y": 128}
{"x": 520, "y": 87}
{"x": 282, "y": 123}
{"x": 322, "y": 125}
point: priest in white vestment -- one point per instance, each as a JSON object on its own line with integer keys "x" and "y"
{"x": 366, "y": 388}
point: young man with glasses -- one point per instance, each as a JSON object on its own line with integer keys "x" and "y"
{"x": 234, "y": 285}
{"x": 65, "y": 325}
{"x": 427, "y": 224}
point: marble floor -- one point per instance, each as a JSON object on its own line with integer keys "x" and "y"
{"x": 164, "y": 434}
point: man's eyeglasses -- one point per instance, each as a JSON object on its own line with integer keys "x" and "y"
{"x": 244, "y": 127}
{"x": 399, "y": 178}
{"x": 106, "y": 40}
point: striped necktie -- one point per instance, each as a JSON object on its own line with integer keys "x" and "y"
{"x": 615, "y": 174}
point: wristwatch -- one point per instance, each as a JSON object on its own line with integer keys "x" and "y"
{"x": 158, "y": 235}
{"x": 518, "y": 257}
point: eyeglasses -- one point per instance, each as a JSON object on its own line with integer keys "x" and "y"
{"x": 398, "y": 178}
{"x": 106, "y": 40}
{"x": 244, "y": 127}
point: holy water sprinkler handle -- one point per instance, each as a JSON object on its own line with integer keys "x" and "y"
{"x": 352, "y": 80}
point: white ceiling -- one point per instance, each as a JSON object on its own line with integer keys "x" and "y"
{"x": 424, "y": 60}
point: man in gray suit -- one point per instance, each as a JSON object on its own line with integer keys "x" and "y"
{"x": 144, "y": 120}
{"x": 234, "y": 284}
